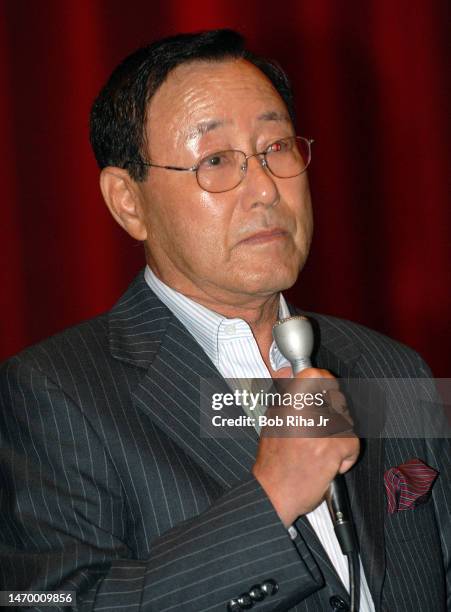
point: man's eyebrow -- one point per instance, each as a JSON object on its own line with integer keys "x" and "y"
{"x": 204, "y": 127}
{"x": 274, "y": 116}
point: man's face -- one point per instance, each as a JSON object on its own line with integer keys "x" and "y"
{"x": 222, "y": 247}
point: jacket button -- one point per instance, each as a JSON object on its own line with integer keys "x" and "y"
{"x": 269, "y": 587}
{"x": 256, "y": 593}
{"x": 233, "y": 606}
{"x": 338, "y": 604}
{"x": 245, "y": 602}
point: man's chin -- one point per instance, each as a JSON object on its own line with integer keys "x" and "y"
{"x": 267, "y": 283}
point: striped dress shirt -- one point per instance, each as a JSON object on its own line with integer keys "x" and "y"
{"x": 231, "y": 346}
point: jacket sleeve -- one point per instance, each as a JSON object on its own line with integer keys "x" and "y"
{"x": 64, "y": 524}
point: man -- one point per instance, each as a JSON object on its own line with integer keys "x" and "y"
{"x": 108, "y": 488}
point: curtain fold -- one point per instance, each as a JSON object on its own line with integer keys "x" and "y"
{"x": 371, "y": 86}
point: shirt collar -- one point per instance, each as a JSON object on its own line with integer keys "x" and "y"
{"x": 206, "y": 326}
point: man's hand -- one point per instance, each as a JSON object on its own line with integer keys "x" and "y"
{"x": 295, "y": 471}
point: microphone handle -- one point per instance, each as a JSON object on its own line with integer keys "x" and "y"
{"x": 337, "y": 494}
{"x": 340, "y": 511}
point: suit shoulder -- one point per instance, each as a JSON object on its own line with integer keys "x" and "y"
{"x": 391, "y": 356}
{"x": 76, "y": 343}
{"x": 66, "y": 350}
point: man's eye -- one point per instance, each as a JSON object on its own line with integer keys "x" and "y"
{"x": 217, "y": 160}
{"x": 278, "y": 147}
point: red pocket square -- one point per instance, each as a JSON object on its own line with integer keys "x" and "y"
{"x": 408, "y": 485}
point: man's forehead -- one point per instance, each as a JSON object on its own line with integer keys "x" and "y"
{"x": 199, "y": 97}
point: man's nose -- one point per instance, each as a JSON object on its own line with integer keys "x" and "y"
{"x": 260, "y": 182}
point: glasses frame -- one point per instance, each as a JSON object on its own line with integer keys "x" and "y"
{"x": 264, "y": 162}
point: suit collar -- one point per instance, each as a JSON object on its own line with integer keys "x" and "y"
{"x": 137, "y": 324}
{"x": 140, "y": 319}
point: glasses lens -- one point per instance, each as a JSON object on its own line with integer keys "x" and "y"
{"x": 288, "y": 157}
{"x": 221, "y": 171}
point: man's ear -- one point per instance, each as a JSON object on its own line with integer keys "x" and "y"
{"x": 122, "y": 198}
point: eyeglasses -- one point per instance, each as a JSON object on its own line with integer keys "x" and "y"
{"x": 224, "y": 170}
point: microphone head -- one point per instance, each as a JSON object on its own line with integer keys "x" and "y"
{"x": 294, "y": 338}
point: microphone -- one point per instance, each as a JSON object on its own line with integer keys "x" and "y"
{"x": 294, "y": 339}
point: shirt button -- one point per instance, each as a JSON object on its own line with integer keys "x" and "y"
{"x": 230, "y": 330}
{"x": 338, "y": 604}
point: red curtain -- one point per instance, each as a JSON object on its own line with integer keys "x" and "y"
{"x": 370, "y": 83}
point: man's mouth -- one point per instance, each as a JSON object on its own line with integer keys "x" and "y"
{"x": 264, "y": 236}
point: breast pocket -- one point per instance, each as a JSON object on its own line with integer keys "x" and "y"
{"x": 413, "y": 524}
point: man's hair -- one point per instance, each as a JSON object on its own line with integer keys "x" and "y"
{"x": 118, "y": 115}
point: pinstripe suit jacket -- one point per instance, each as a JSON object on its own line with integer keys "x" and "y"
{"x": 108, "y": 489}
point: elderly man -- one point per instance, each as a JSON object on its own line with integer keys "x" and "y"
{"x": 108, "y": 487}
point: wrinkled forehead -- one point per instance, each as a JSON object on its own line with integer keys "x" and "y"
{"x": 202, "y": 96}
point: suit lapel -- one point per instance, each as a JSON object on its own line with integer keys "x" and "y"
{"x": 176, "y": 385}
{"x": 366, "y": 493}
{"x": 176, "y": 393}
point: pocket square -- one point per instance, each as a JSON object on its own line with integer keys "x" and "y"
{"x": 408, "y": 485}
